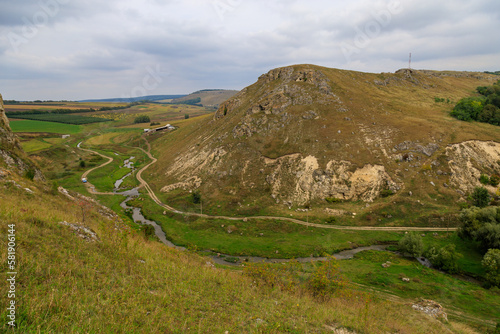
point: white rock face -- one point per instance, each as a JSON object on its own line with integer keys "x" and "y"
{"x": 466, "y": 158}
{"x": 338, "y": 180}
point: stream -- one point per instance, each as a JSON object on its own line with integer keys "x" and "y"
{"x": 218, "y": 258}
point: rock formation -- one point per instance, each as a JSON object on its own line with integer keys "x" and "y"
{"x": 11, "y": 152}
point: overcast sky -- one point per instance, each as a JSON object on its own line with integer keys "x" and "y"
{"x": 79, "y": 49}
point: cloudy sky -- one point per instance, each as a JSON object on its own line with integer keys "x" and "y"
{"x": 79, "y": 49}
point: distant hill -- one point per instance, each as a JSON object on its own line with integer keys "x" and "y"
{"x": 207, "y": 97}
{"x": 135, "y": 99}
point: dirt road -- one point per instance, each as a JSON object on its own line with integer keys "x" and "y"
{"x": 153, "y": 196}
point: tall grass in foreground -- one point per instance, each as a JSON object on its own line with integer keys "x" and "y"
{"x": 127, "y": 284}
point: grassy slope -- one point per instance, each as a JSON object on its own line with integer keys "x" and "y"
{"x": 125, "y": 284}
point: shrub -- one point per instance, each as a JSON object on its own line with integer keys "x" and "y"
{"x": 333, "y": 200}
{"x": 468, "y": 109}
{"x": 186, "y": 116}
{"x": 484, "y": 179}
{"x": 494, "y": 180}
{"x": 474, "y": 218}
{"x": 480, "y": 197}
{"x": 325, "y": 279}
{"x": 331, "y": 220}
{"x": 148, "y": 230}
{"x": 196, "y": 197}
{"x": 142, "y": 119}
{"x": 488, "y": 236}
{"x": 446, "y": 258}
{"x": 82, "y": 163}
{"x": 491, "y": 263}
{"x": 386, "y": 192}
{"x": 411, "y": 244}
{"x": 30, "y": 174}
{"x": 285, "y": 277}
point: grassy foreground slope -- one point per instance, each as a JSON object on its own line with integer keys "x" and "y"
{"x": 124, "y": 283}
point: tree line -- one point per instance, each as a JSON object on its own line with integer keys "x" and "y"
{"x": 68, "y": 111}
{"x": 484, "y": 108}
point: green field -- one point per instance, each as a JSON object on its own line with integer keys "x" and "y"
{"x": 39, "y": 126}
{"x": 35, "y": 145}
{"x": 62, "y": 118}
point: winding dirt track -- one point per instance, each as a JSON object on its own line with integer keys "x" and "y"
{"x": 153, "y": 196}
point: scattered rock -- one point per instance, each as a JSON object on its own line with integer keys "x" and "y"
{"x": 405, "y": 279}
{"x": 430, "y": 308}
{"x": 387, "y": 264}
{"x": 335, "y": 212}
{"x": 82, "y": 231}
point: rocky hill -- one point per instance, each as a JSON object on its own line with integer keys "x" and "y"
{"x": 12, "y": 155}
{"x": 306, "y": 133}
{"x": 208, "y": 97}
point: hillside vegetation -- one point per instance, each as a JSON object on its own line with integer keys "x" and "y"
{"x": 83, "y": 269}
{"x": 326, "y": 141}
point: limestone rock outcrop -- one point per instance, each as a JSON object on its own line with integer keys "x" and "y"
{"x": 11, "y": 151}
{"x": 8, "y": 140}
{"x": 468, "y": 160}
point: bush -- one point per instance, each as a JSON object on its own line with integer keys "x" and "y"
{"x": 196, "y": 197}
{"x": 494, "y": 180}
{"x": 331, "y": 220}
{"x": 411, "y": 244}
{"x": 148, "y": 230}
{"x": 30, "y": 174}
{"x": 142, "y": 119}
{"x": 446, "y": 258}
{"x": 468, "y": 109}
{"x": 186, "y": 116}
{"x": 386, "y": 193}
{"x": 474, "y": 218}
{"x": 484, "y": 179}
{"x": 82, "y": 163}
{"x": 480, "y": 197}
{"x": 488, "y": 236}
{"x": 286, "y": 276}
{"x": 326, "y": 278}
{"x": 491, "y": 263}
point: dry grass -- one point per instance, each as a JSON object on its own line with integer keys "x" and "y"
{"x": 381, "y": 116}
{"x": 126, "y": 284}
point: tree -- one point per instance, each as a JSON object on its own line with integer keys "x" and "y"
{"x": 411, "y": 244}
{"x": 468, "y": 109}
{"x": 491, "y": 263}
{"x": 196, "y": 197}
{"x": 488, "y": 235}
{"x": 142, "y": 119}
{"x": 480, "y": 197}
{"x": 445, "y": 258}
